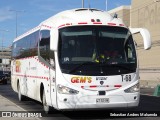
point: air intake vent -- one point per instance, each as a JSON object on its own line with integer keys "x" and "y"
{"x": 85, "y": 9}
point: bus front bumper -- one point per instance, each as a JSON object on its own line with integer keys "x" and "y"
{"x": 98, "y": 102}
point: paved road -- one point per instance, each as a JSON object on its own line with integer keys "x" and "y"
{"x": 147, "y": 104}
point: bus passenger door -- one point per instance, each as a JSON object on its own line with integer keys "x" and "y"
{"x": 47, "y": 57}
{"x": 52, "y": 80}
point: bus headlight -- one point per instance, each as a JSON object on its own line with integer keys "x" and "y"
{"x": 65, "y": 90}
{"x": 133, "y": 89}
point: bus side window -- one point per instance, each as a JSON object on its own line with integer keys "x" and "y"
{"x": 44, "y": 45}
{"x": 34, "y": 43}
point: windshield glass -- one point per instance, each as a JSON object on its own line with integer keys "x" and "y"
{"x": 96, "y": 50}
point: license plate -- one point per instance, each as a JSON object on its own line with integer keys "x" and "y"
{"x": 102, "y": 100}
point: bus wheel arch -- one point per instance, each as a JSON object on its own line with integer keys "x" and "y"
{"x": 46, "y": 107}
{"x": 20, "y": 96}
{"x": 41, "y": 91}
{"x": 17, "y": 84}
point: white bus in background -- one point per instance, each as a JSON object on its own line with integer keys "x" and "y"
{"x": 78, "y": 59}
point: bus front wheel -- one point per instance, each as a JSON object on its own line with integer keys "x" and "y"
{"x": 46, "y": 107}
{"x": 20, "y": 96}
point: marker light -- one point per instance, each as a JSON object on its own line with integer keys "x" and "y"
{"x": 92, "y": 20}
{"x": 112, "y": 24}
{"x": 98, "y": 20}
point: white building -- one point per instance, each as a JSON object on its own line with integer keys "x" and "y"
{"x": 5, "y": 58}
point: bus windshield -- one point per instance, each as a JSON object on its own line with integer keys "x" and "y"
{"x": 96, "y": 50}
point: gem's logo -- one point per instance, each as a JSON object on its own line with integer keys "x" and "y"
{"x": 81, "y": 79}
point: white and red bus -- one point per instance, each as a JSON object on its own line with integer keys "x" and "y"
{"x": 78, "y": 59}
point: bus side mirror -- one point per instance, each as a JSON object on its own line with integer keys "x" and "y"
{"x": 145, "y": 35}
{"x": 54, "y": 39}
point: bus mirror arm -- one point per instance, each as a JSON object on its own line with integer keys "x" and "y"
{"x": 145, "y": 35}
{"x": 135, "y": 43}
{"x": 54, "y": 39}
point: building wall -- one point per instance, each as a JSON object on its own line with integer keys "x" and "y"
{"x": 123, "y": 13}
{"x": 5, "y": 53}
{"x": 145, "y": 14}
{"x": 5, "y": 58}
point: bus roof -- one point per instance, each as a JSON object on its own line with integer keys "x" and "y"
{"x": 76, "y": 17}
{"x": 81, "y": 16}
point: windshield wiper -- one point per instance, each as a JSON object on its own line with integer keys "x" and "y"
{"x": 80, "y": 65}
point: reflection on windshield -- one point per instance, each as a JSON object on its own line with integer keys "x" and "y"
{"x": 97, "y": 44}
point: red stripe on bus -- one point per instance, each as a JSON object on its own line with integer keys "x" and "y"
{"x": 80, "y": 23}
{"x": 61, "y": 26}
{"x": 97, "y": 23}
{"x": 92, "y": 86}
{"x": 40, "y": 77}
{"x": 121, "y": 24}
{"x": 47, "y": 26}
{"x": 117, "y": 85}
{"x": 68, "y": 23}
{"x": 112, "y": 24}
{"x": 82, "y": 86}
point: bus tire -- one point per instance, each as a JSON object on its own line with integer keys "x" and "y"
{"x": 20, "y": 96}
{"x": 46, "y": 107}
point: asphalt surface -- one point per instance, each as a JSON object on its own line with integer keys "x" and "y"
{"x": 148, "y": 104}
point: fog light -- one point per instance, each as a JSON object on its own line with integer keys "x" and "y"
{"x": 135, "y": 98}
{"x": 65, "y": 100}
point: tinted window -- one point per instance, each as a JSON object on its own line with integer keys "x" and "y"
{"x": 93, "y": 49}
{"x": 26, "y": 47}
{"x": 44, "y": 44}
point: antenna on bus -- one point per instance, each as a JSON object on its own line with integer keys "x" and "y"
{"x": 106, "y": 5}
{"x": 89, "y": 5}
{"x": 82, "y": 3}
